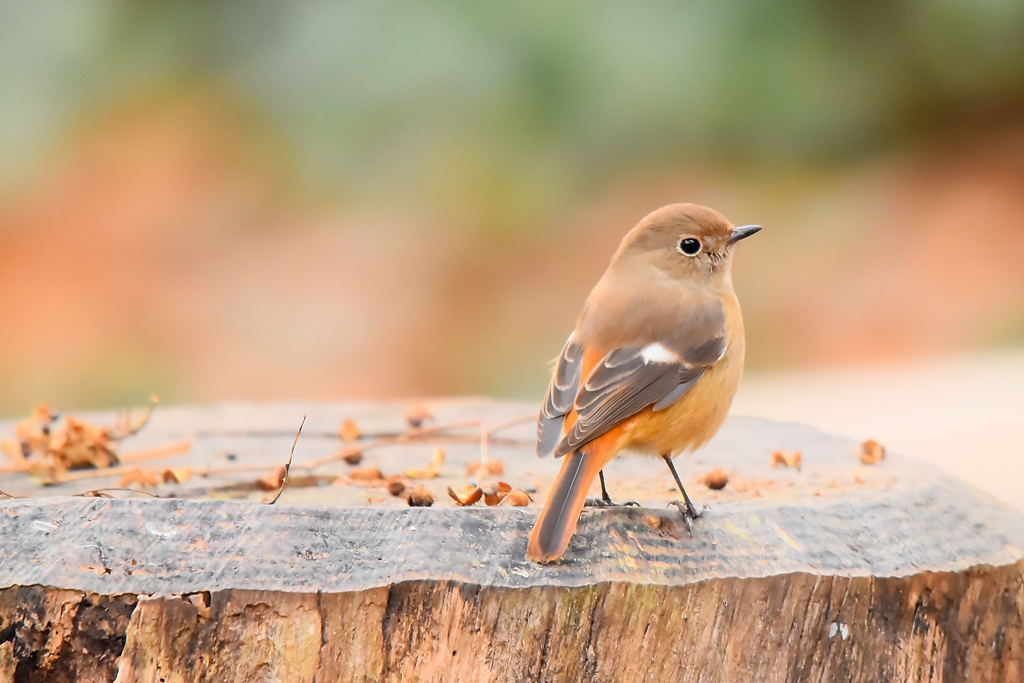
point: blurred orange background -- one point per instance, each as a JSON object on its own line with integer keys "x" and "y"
{"x": 215, "y": 201}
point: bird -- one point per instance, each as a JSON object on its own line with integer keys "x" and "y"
{"x": 651, "y": 366}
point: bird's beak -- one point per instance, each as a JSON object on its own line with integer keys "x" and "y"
{"x": 742, "y": 233}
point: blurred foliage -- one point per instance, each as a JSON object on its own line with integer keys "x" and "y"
{"x": 515, "y": 107}
{"x": 253, "y": 199}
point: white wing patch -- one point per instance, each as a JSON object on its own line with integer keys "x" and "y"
{"x": 656, "y": 353}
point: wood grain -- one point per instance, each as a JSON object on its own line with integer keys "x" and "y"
{"x": 834, "y": 572}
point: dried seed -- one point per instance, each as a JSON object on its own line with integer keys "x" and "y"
{"x": 140, "y": 477}
{"x": 272, "y": 481}
{"x": 467, "y": 495}
{"x": 420, "y": 497}
{"x": 492, "y": 468}
{"x": 716, "y": 479}
{"x": 518, "y": 498}
{"x": 366, "y": 474}
{"x": 417, "y": 415}
{"x": 871, "y": 452}
{"x": 395, "y": 485}
{"x": 787, "y": 459}
{"x": 176, "y": 475}
{"x": 433, "y": 467}
{"x": 350, "y": 430}
{"x": 496, "y": 492}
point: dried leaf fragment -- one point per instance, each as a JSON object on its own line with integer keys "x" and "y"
{"x": 872, "y": 452}
{"x": 366, "y": 474}
{"x": 518, "y": 498}
{"x": 76, "y": 444}
{"x": 420, "y": 497}
{"x": 716, "y": 479}
{"x": 491, "y": 467}
{"x": 140, "y": 477}
{"x": 13, "y": 450}
{"x": 34, "y": 431}
{"x": 433, "y": 467}
{"x": 176, "y": 475}
{"x": 467, "y": 495}
{"x": 350, "y": 430}
{"x": 272, "y": 481}
{"x": 496, "y": 492}
{"x": 793, "y": 459}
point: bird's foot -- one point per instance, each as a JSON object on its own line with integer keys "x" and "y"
{"x": 689, "y": 512}
{"x": 606, "y": 503}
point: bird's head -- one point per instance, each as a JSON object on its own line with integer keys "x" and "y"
{"x": 688, "y": 242}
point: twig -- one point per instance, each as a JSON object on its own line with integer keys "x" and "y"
{"x": 233, "y": 469}
{"x": 421, "y": 435}
{"x": 7, "y": 495}
{"x": 176, "y": 448}
{"x": 271, "y": 433}
{"x": 114, "y": 488}
{"x": 526, "y": 419}
{"x": 412, "y": 432}
{"x": 288, "y": 465}
{"x": 92, "y": 474}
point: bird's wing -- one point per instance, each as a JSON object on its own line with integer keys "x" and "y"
{"x": 565, "y": 383}
{"x": 627, "y": 380}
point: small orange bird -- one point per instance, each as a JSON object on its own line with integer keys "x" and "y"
{"x": 652, "y": 365}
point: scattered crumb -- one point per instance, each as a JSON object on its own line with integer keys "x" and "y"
{"x": 467, "y": 495}
{"x": 786, "y": 459}
{"x": 420, "y": 497}
{"x": 518, "y": 498}
{"x": 349, "y": 431}
{"x": 871, "y": 452}
{"x": 395, "y": 485}
{"x": 366, "y": 474}
{"x": 716, "y": 479}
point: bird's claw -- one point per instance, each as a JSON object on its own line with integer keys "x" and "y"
{"x": 602, "y": 503}
{"x": 689, "y": 513}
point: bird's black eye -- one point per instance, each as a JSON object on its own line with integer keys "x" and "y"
{"x": 690, "y": 246}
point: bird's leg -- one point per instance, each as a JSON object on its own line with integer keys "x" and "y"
{"x": 604, "y": 491}
{"x": 605, "y": 501}
{"x": 685, "y": 506}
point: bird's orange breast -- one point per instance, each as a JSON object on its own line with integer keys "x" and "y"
{"x": 688, "y": 423}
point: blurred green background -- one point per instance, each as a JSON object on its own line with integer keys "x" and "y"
{"x": 333, "y": 200}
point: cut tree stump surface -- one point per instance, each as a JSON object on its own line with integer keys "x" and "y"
{"x": 836, "y": 571}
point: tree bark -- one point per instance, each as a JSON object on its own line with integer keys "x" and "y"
{"x": 837, "y": 571}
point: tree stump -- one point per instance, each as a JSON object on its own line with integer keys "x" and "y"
{"x": 837, "y": 571}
